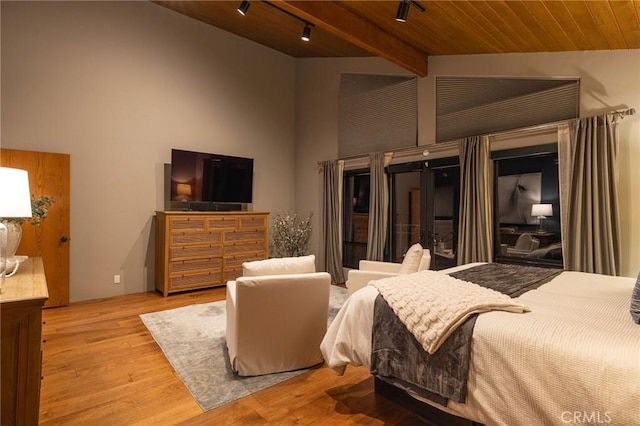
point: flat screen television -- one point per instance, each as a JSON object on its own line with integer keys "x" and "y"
{"x": 198, "y": 177}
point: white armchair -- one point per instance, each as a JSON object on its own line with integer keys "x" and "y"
{"x": 416, "y": 259}
{"x": 277, "y": 316}
{"x": 525, "y": 244}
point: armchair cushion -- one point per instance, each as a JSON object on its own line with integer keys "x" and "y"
{"x": 412, "y": 259}
{"x": 280, "y": 266}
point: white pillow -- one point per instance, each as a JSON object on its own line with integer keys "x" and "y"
{"x": 280, "y": 266}
{"x": 411, "y": 260}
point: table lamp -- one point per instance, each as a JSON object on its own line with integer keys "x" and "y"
{"x": 184, "y": 191}
{"x": 15, "y": 202}
{"x": 541, "y": 211}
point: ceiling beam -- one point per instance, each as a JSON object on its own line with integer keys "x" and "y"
{"x": 345, "y": 24}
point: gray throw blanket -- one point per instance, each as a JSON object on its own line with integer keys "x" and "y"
{"x": 398, "y": 357}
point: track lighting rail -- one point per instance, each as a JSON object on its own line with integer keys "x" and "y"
{"x": 306, "y": 31}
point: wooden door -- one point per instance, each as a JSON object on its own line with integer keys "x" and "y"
{"x": 48, "y": 176}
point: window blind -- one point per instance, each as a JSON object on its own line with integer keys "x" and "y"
{"x": 376, "y": 113}
{"x": 471, "y": 106}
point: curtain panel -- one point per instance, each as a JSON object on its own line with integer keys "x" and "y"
{"x": 589, "y": 193}
{"x": 475, "y": 228}
{"x": 332, "y": 218}
{"x": 378, "y": 207}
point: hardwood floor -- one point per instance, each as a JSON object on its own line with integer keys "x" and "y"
{"x": 101, "y": 366}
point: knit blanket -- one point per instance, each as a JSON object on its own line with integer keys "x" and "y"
{"x": 432, "y": 305}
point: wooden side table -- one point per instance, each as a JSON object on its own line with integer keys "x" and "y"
{"x": 21, "y": 301}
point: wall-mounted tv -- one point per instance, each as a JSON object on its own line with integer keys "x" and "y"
{"x": 198, "y": 177}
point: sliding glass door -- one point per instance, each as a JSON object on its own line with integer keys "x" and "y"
{"x": 442, "y": 211}
{"x": 405, "y": 204}
{"x": 424, "y": 199}
{"x": 355, "y": 217}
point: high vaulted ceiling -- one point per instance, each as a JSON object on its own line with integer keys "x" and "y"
{"x": 460, "y": 27}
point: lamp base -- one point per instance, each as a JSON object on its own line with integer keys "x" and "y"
{"x": 540, "y": 227}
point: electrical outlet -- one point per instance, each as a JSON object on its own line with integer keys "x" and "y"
{"x": 116, "y": 279}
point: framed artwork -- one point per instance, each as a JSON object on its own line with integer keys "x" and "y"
{"x": 516, "y": 195}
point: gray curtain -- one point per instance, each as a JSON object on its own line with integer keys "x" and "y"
{"x": 591, "y": 231}
{"x": 475, "y": 230}
{"x": 332, "y": 218}
{"x": 565, "y": 162}
{"x": 378, "y": 207}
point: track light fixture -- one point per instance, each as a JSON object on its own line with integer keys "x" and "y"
{"x": 244, "y": 6}
{"x": 306, "y": 32}
{"x": 403, "y": 9}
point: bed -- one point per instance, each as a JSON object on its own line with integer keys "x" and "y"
{"x": 573, "y": 358}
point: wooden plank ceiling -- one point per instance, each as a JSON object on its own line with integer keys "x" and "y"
{"x": 369, "y": 28}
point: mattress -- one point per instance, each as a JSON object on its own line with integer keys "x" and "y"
{"x": 575, "y": 357}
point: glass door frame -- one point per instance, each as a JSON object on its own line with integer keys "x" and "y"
{"x": 429, "y": 197}
{"x": 391, "y": 171}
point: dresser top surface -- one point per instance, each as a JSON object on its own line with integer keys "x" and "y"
{"x": 208, "y": 213}
{"x": 29, "y": 283}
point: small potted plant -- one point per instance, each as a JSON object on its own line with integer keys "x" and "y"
{"x": 39, "y": 210}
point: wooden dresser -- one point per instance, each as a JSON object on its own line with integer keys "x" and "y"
{"x": 206, "y": 249}
{"x": 21, "y": 301}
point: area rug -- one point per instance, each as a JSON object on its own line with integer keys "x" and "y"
{"x": 192, "y": 339}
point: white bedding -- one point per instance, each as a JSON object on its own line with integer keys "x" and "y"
{"x": 575, "y": 358}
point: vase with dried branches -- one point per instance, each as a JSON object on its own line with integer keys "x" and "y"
{"x": 290, "y": 235}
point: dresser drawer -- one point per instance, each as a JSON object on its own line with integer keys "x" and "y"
{"x": 232, "y": 274}
{"x": 185, "y": 252}
{"x": 178, "y": 224}
{"x": 233, "y": 262}
{"x": 195, "y": 280}
{"x": 253, "y": 222}
{"x": 252, "y": 234}
{"x": 209, "y": 264}
{"x": 245, "y": 247}
{"x": 195, "y": 238}
{"x": 222, "y": 222}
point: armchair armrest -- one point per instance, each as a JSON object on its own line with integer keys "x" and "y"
{"x": 231, "y": 311}
{"x": 372, "y": 265}
{"x": 356, "y": 279}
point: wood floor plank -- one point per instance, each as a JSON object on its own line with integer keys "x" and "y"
{"x": 102, "y": 366}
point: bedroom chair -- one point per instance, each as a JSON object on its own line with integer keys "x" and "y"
{"x": 277, "y": 315}
{"x": 525, "y": 244}
{"x": 416, "y": 259}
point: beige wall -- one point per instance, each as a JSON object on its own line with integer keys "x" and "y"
{"x": 609, "y": 80}
{"x": 118, "y": 84}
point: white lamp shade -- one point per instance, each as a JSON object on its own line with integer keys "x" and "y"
{"x": 183, "y": 189}
{"x": 15, "y": 197}
{"x": 538, "y": 210}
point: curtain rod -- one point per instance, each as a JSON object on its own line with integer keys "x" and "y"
{"x": 619, "y": 113}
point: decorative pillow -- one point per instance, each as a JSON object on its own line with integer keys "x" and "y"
{"x": 635, "y": 301}
{"x": 411, "y": 260}
{"x": 280, "y": 266}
